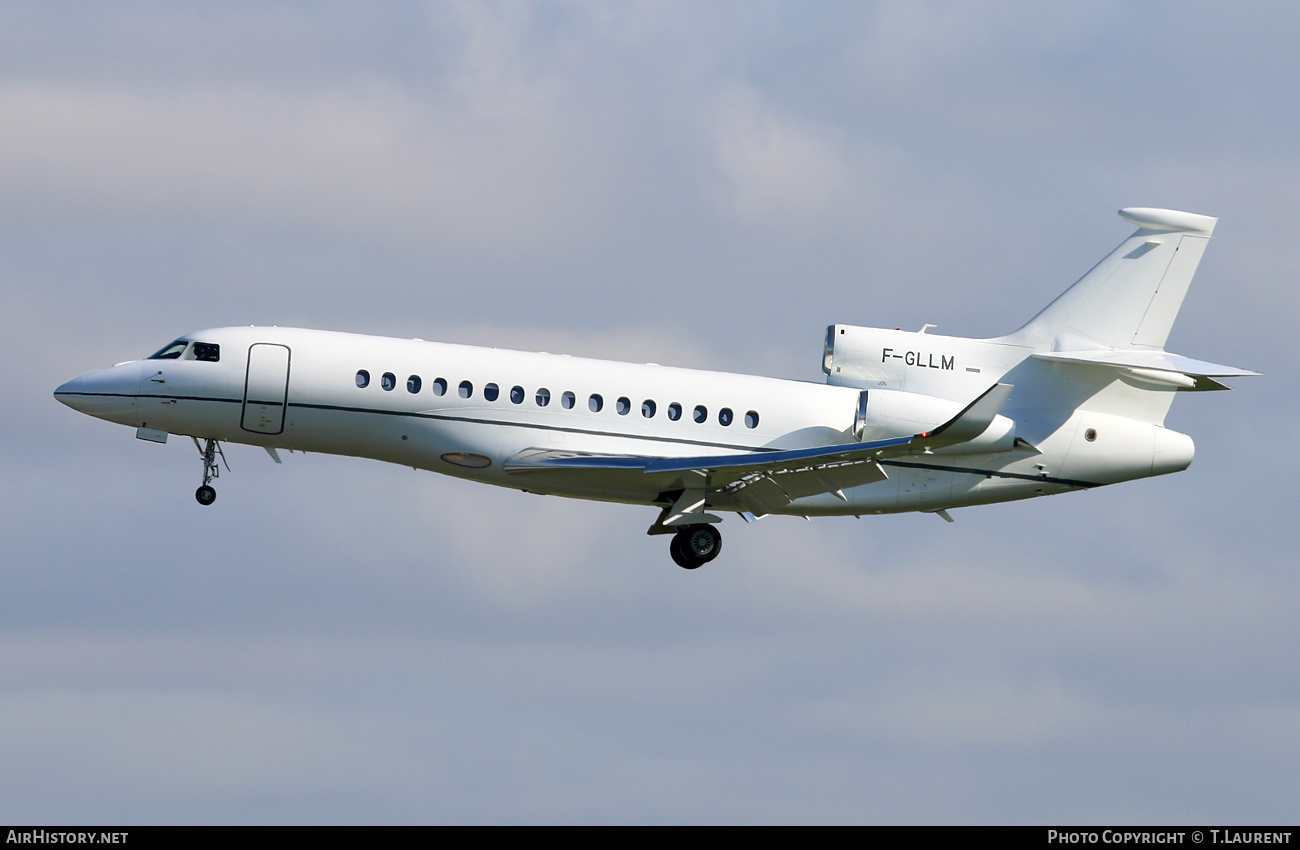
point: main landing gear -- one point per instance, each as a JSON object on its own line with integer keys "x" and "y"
{"x": 695, "y": 545}
{"x": 209, "y": 452}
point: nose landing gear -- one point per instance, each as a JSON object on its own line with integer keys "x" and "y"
{"x": 209, "y": 452}
{"x": 695, "y": 545}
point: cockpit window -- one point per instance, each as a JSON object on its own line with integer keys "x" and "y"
{"x": 172, "y": 351}
{"x": 208, "y": 351}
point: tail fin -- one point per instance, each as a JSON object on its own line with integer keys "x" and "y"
{"x": 1130, "y": 299}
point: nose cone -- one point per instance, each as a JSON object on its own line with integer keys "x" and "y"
{"x": 106, "y": 394}
{"x": 68, "y": 393}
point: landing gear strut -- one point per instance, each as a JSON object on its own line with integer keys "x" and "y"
{"x": 209, "y": 452}
{"x": 695, "y": 545}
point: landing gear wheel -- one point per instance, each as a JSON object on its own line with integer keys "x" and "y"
{"x": 209, "y": 452}
{"x": 680, "y": 558}
{"x": 695, "y": 545}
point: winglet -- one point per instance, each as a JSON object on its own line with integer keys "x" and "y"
{"x": 974, "y": 419}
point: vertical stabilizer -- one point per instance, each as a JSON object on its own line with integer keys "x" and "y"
{"x": 1130, "y": 299}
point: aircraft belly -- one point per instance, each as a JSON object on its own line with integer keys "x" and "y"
{"x": 626, "y": 485}
{"x": 192, "y": 417}
{"x": 123, "y": 410}
{"x": 579, "y": 486}
{"x": 913, "y": 486}
{"x": 921, "y": 486}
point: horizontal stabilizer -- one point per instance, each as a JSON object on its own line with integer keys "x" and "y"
{"x": 1156, "y": 367}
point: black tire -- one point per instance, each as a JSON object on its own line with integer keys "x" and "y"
{"x": 205, "y": 495}
{"x": 680, "y": 557}
{"x": 702, "y": 543}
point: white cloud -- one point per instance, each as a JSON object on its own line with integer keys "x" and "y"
{"x": 468, "y": 175}
{"x": 774, "y": 170}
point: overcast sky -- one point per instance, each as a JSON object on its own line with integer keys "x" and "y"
{"x": 697, "y": 184}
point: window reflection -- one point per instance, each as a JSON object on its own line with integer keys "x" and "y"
{"x": 171, "y": 351}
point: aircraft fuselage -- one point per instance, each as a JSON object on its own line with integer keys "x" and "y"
{"x": 445, "y": 408}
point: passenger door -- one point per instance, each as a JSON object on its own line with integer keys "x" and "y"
{"x": 266, "y": 388}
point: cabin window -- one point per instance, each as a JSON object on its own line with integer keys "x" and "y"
{"x": 517, "y": 395}
{"x": 363, "y": 379}
{"x": 595, "y": 403}
{"x": 543, "y": 397}
{"x": 208, "y": 352}
{"x": 491, "y": 391}
{"x": 171, "y": 351}
{"x": 674, "y": 411}
{"x": 439, "y": 386}
{"x": 466, "y": 389}
{"x": 701, "y": 413}
{"x": 413, "y": 384}
{"x": 388, "y": 381}
{"x": 751, "y": 419}
{"x": 568, "y": 400}
{"x": 623, "y": 405}
{"x": 648, "y": 409}
{"x": 724, "y": 416}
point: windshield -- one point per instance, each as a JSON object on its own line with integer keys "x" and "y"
{"x": 171, "y": 351}
{"x": 209, "y": 351}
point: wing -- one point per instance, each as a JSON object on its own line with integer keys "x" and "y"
{"x": 761, "y": 481}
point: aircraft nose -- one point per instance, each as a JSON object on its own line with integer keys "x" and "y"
{"x": 67, "y": 393}
{"x": 106, "y": 394}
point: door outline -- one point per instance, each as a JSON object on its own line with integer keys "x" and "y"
{"x": 271, "y": 383}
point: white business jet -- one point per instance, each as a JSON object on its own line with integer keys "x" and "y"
{"x": 906, "y": 421}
